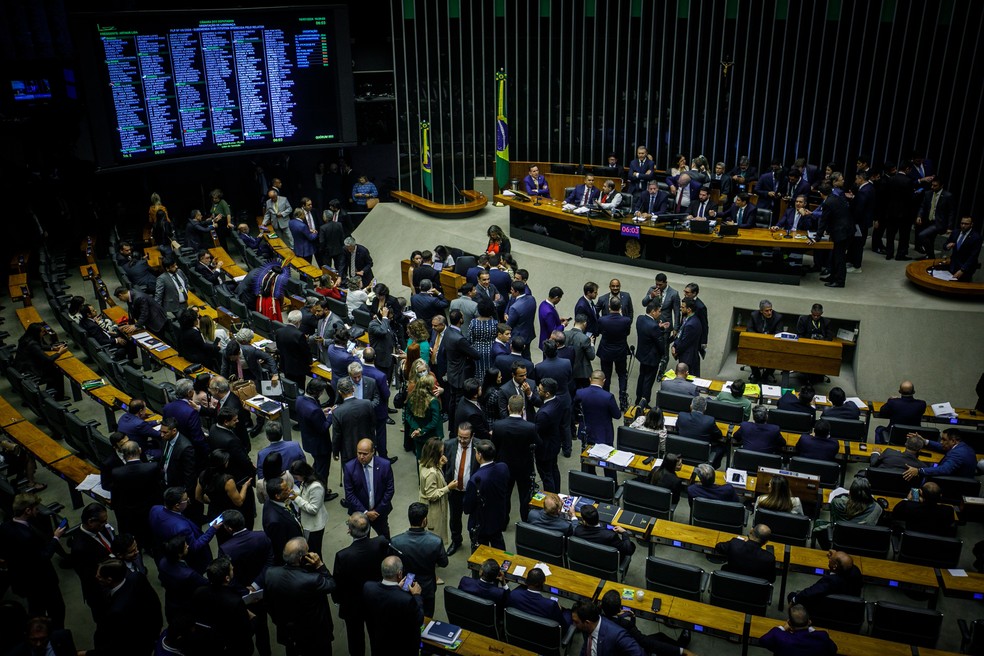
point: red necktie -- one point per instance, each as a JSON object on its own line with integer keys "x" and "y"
{"x": 461, "y": 469}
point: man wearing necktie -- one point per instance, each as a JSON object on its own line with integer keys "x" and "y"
{"x": 369, "y": 486}
{"x": 966, "y": 250}
{"x": 936, "y": 216}
{"x": 641, "y": 170}
{"x": 91, "y": 544}
{"x": 171, "y": 290}
{"x": 700, "y": 209}
{"x": 651, "y": 203}
{"x": 582, "y": 196}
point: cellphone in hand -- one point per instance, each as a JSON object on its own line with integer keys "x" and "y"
{"x": 215, "y": 522}
{"x": 506, "y": 564}
{"x": 408, "y": 581}
{"x": 63, "y": 523}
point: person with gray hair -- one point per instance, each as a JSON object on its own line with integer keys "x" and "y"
{"x": 356, "y": 261}
{"x": 892, "y": 459}
{"x": 707, "y": 488}
{"x": 429, "y": 302}
{"x": 354, "y": 566}
{"x": 295, "y": 354}
{"x": 699, "y": 426}
{"x": 759, "y": 435}
{"x": 679, "y": 383}
{"x": 766, "y": 322}
{"x": 394, "y": 623}
{"x": 185, "y": 412}
{"x": 352, "y": 420}
{"x": 296, "y": 595}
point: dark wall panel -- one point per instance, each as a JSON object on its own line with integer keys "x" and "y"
{"x": 824, "y": 80}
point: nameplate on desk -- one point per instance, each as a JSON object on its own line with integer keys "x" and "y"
{"x": 631, "y": 230}
{"x": 790, "y": 336}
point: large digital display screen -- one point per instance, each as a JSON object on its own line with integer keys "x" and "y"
{"x": 172, "y": 84}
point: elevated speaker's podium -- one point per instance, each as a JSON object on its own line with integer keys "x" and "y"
{"x": 810, "y": 356}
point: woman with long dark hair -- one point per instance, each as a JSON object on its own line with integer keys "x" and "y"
{"x": 779, "y": 498}
{"x": 482, "y": 332}
{"x": 665, "y": 476}
{"x": 310, "y": 501}
{"x": 498, "y": 242}
{"x": 858, "y": 506}
{"x": 219, "y": 490}
{"x": 423, "y": 413}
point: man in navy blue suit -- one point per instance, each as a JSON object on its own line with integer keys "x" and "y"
{"x": 650, "y": 203}
{"x": 561, "y": 370}
{"x": 705, "y": 487}
{"x": 521, "y": 314}
{"x": 251, "y": 553}
{"x": 798, "y": 637}
{"x": 486, "y": 499}
{"x": 550, "y": 424}
{"x": 356, "y": 565}
{"x": 133, "y": 424}
{"x": 490, "y": 584}
{"x": 167, "y": 521}
{"x": 686, "y": 348}
{"x": 641, "y": 170}
{"x": 586, "y": 306}
{"x": 602, "y": 635}
{"x": 818, "y": 446}
{"x": 370, "y": 369}
{"x": 966, "y": 247}
{"x": 501, "y": 344}
{"x": 429, "y": 302}
{"x": 504, "y": 362}
{"x": 683, "y": 193}
{"x": 802, "y": 402}
{"x": 758, "y": 435}
{"x": 767, "y": 187}
{"x": 315, "y": 427}
{"x": 650, "y": 348}
{"x": 583, "y": 195}
{"x": 741, "y": 212}
{"x": 797, "y": 217}
{"x": 960, "y": 458}
{"x": 518, "y": 384}
{"x": 185, "y": 412}
{"x": 614, "y": 349}
{"x": 369, "y": 486}
{"x": 699, "y": 426}
{"x": 903, "y": 409}
{"x": 530, "y": 599}
{"x": 305, "y": 237}
{"x": 598, "y": 409}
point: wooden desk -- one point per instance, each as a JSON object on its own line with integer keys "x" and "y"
{"x": 16, "y": 284}
{"x": 964, "y": 415}
{"x": 472, "y": 644}
{"x": 476, "y": 202}
{"x": 153, "y": 257}
{"x": 281, "y": 248}
{"x": 685, "y": 536}
{"x": 918, "y": 274}
{"x": 965, "y": 587}
{"x": 450, "y": 281}
{"x": 39, "y": 443}
{"x": 228, "y": 264}
{"x": 561, "y": 582}
{"x": 9, "y": 415}
{"x": 848, "y": 644}
{"x": 89, "y": 271}
{"x": 810, "y": 356}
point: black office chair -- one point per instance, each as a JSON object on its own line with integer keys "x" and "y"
{"x": 763, "y": 218}
{"x": 109, "y": 368}
{"x": 852, "y": 430}
{"x": 838, "y": 612}
{"x": 898, "y": 433}
{"x": 861, "y": 540}
{"x": 17, "y": 379}
{"x": 672, "y": 402}
{"x": 99, "y": 444}
{"x": 750, "y": 461}
{"x": 787, "y": 527}
{"x": 596, "y": 559}
{"x": 132, "y": 380}
{"x": 726, "y": 412}
{"x": 78, "y": 436}
{"x": 540, "y": 543}
{"x": 975, "y": 438}
{"x": 647, "y": 499}
{"x": 676, "y": 579}
{"x": 794, "y": 422}
{"x": 463, "y": 263}
{"x": 592, "y": 486}
{"x": 887, "y": 482}
{"x": 53, "y": 412}
{"x": 831, "y": 473}
{"x": 954, "y": 488}
{"x": 746, "y": 594}
{"x": 637, "y": 441}
{"x": 691, "y": 451}
{"x": 536, "y": 634}
{"x": 32, "y": 393}
{"x": 157, "y": 395}
{"x": 971, "y": 636}
{"x": 471, "y": 613}
{"x": 261, "y": 323}
{"x": 727, "y": 516}
{"x": 929, "y": 550}
{"x": 910, "y": 626}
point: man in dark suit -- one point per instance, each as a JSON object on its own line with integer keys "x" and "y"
{"x": 44, "y": 640}
{"x": 529, "y": 599}
{"x": 614, "y": 328}
{"x": 699, "y": 426}
{"x": 922, "y": 512}
{"x": 863, "y": 213}
{"x": 369, "y": 486}
{"x": 221, "y": 392}
{"x": 356, "y": 261}
{"x": 898, "y": 208}
{"x": 607, "y": 636}
{"x": 705, "y": 487}
{"x": 168, "y": 521}
{"x": 428, "y": 302}
{"x": 381, "y": 378}
{"x": 798, "y": 637}
{"x": 145, "y": 313}
{"x": 486, "y": 499}
{"x": 422, "y": 552}
{"x": 171, "y": 291}
{"x": 91, "y": 544}
{"x": 796, "y": 218}
{"x": 220, "y": 607}
{"x": 490, "y": 584}
{"x": 297, "y": 595}
{"x": 128, "y": 615}
{"x": 553, "y": 517}
{"x": 134, "y": 424}
{"x": 842, "y": 577}
{"x": 462, "y": 461}
{"x": 178, "y": 464}
{"x": 768, "y": 187}
{"x": 758, "y": 435}
{"x": 649, "y": 202}
{"x": 327, "y": 324}
{"x": 223, "y": 436}
{"x": 741, "y": 212}
{"x": 397, "y": 612}
{"x": 504, "y": 361}
{"x": 469, "y": 410}
{"x": 583, "y": 350}
{"x": 748, "y": 556}
{"x": 186, "y": 413}
{"x": 591, "y": 530}
{"x": 281, "y": 520}
{"x": 818, "y": 446}
{"x": 836, "y": 221}
{"x": 338, "y": 356}
{"x": 518, "y": 383}
{"x": 765, "y": 321}
{"x": 551, "y": 421}
{"x": 27, "y": 554}
{"x": 691, "y": 290}
{"x": 903, "y": 409}
{"x": 352, "y": 419}
{"x": 668, "y": 300}
{"x": 802, "y": 402}
{"x": 642, "y": 171}
{"x": 561, "y": 370}
{"x": 840, "y": 407}
{"x": 460, "y": 356}
{"x": 315, "y": 428}
{"x": 426, "y": 271}
{"x": 515, "y": 439}
{"x": 356, "y": 565}
{"x": 251, "y": 553}
{"x": 966, "y": 247}
{"x": 586, "y": 306}
{"x": 521, "y": 314}
{"x": 686, "y": 348}
{"x": 743, "y": 174}
{"x": 603, "y": 306}
{"x": 597, "y": 409}
{"x": 295, "y": 355}
{"x": 136, "y": 485}
{"x": 582, "y": 195}
{"x": 814, "y": 325}
{"x": 936, "y": 216}
{"x": 331, "y": 242}
{"x": 136, "y": 268}
{"x": 683, "y": 193}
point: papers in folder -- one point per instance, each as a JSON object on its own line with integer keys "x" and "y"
{"x": 771, "y": 391}
{"x": 943, "y": 275}
{"x": 861, "y": 405}
{"x": 943, "y": 409}
{"x": 669, "y": 421}
{"x": 93, "y": 483}
{"x": 601, "y": 451}
{"x": 621, "y": 458}
{"x": 267, "y": 388}
{"x": 702, "y": 383}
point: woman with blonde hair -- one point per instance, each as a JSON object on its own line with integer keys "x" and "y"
{"x": 433, "y": 489}
{"x": 213, "y": 333}
{"x": 155, "y": 207}
{"x": 422, "y": 413}
{"x": 779, "y": 498}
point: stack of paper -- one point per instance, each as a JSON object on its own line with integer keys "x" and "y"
{"x": 93, "y": 483}
{"x": 861, "y": 405}
{"x": 543, "y": 568}
{"x": 737, "y": 477}
{"x": 702, "y": 383}
{"x": 944, "y": 409}
{"x": 670, "y": 422}
{"x": 600, "y": 451}
{"x": 820, "y": 398}
{"x": 621, "y": 458}
{"x": 771, "y": 391}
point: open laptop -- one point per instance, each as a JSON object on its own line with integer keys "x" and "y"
{"x": 728, "y": 230}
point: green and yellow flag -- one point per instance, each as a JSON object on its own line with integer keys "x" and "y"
{"x": 426, "y": 165}
{"x": 501, "y": 134}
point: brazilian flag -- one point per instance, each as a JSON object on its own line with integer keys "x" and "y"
{"x": 426, "y": 164}
{"x": 501, "y": 134}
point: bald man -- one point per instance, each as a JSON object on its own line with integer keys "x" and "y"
{"x": 369, "y": 486}
{"x": 902, "y": 409}
{"x": 842, "y": 577}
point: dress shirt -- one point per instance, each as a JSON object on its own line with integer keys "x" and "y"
{"x": 367, "y": 470}
{"x": 358, "y": 389}
{"x": 182, "y": 292}
{"x": 466, "y": 455}
{"x": 592, "y": 640}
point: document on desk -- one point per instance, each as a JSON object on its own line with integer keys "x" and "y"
{"x": 943, "y": 275}
{"x": 93, "y": 483}
{"x": 820, "y": 398}
{"x": 519, "y": 571}
{"x": 771, "y": 391}
{"x": 737, "y": 477}
{"x": 601, "y": 451}
{"x": 861, "y": 405}
{"x": 240, "y": 278}
{"x": 845, "y": 334}
{"x": 267, "y": 388}
{"x": 669, "y": 422}
{"x": 943, "y": 409}
{"x": 703, "y": 383}
{"x": 543, "y": 568}
{"x": 621, "y": 458}
{"x": 957, "y": 572}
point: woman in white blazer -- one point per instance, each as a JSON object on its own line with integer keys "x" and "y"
{"x": 310, "y": 501}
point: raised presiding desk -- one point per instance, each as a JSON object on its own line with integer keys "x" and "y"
{"x": 752, "y": 254}
{"x": 920, "y": 273}
{"x": 811, "y": 356}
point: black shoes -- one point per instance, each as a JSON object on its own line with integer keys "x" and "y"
{"x": 331, "y": 496}
{"x": 833, "y": 284}
{"x": 394, "y": 459}
{"x": 453, "y": 548}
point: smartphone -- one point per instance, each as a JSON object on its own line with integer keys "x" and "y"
{"x": 915, "y": 494}
{"x": 408, "y": 582}
{"x": 649, "y": 460}
{"x": 506, "y": 564}
{"x": 63, "y": 523}
{"x": 216, "y": 522}
{"x": 657, "y": 604}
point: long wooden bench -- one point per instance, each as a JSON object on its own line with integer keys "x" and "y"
{"x": 476, "y": 203}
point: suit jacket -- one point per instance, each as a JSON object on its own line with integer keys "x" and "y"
{"x": 338, "y": 359}
{"x": 790, "y": 402}
{"x": 863, "y": 206}
{"x": 251, "y": 553}
{"x": 140, "y": 430}
{"x": 715, "y": 492}
{"x": 945, "y": 217}
{"x": 137, "y": 488}
{"x": 139, "y": 273}
{"x": 757, "y": 323}
{"x": 461, "y": 357}
{"x": 806, "y": 223}
{"x": 768, "y": 182}
{"x": 550, "y": 429}
{"x": 601, "y": 535}
{"x": 761, "y": 438}
{"x": 649, "y": 336}
{"x": 582, "y": 195}
{"x": 427, "y": 306}
{"x": 355, "y": 565}
{"x": 643, "y": 203}
{"x": 305, "y": 241}
{"x": 646, "y": 171}
{"x": 486, "y": 499}
{"x": 428, "y": 272}
{"x": 584, "y": 352}
{"x": 599, "y": 410}
{"x": 688, "y": 342}
{"x": 561, "y": 370}
{"x": 181, "y": 468}
{"x": 806, "y": 328}
{"x": 805, "y": 642}
{"x": 394, "y": 624}
{"x": 505, "y": 361}
{"x": 817, "y": 448}
{"x": 422, "y": 552}
{"x": 353, "y": 420}
{"x": 603, "y": 304}
{"x": 967, "y": 256}
{"x": 534, "y": 603}
{"x": 514, "y": 441}
{"x": 587, "y": 308}
{"x": 382, "y": 338}
{"x": 295, "y": 356}
{"x": 451, "y": 453}
{"x": 558, "y": 524}
{"x": 846, "y": 411}
{"x": 193, "y": 347}
{"x": 847, "y": 582}
{"x": 129, "y": 621}
{"x": 669, "y": 309}
{"x": 331, "y": 240}
{"x": 146, "y": 312}
{"x": 961, "y": 460}
{"x": 363, "y": 262}
{"x": 240, "y": 464}
{"x": 60, "y": 640}
{"x": 904, "y": 410}
{"x": 96, "y": 332}
{"x": 165, "y": 524}
{"x": 357, "y": 493}
{"x": 671, "y": 202}
{"x": 614, "y": 330}
{"x": 87, "y": 552}
{"x": 298, "y": 603}
{"x": 281, "y": 526}
{"x": 748, "y": 558}
{"x": 222, "y": 608}
{"x": 698, "y": 426}
{"x": 749, "y": 215}
{"x": 521, "y": 312}
{"x": 549, "y": 321}
{"x": 468, "y": 411}
{"x": 257, "y": 364}
{"x": 166, "y": 291}
{"x": 491, "y": 591}
{"x": 188, "y": 418}
{"x": 315, "y": 426}
{"x": 613, "y": 639}
{"x": 836, "y": 219}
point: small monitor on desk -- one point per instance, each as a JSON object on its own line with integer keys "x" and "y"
{"x": 519, "y": 195}
{"x": 671, "y": 219}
